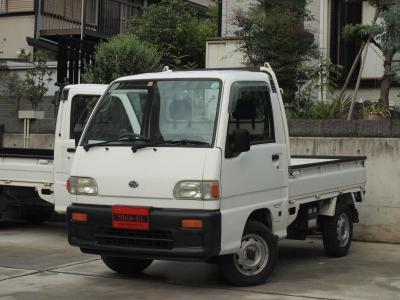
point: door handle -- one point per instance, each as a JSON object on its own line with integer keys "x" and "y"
{"x": 71, "y": 150}
{"x": 275, "y": 157}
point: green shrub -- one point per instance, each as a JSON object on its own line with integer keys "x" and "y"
{"x": 173, "y": 28}
{"x": 121, "y": 56}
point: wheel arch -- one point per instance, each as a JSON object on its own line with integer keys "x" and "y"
{"x": 348, "y": 200}
{"x": 262, "y": 215}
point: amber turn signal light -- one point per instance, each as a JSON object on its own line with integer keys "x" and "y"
{"x": 79, "y": 217}
{"x": 215, "y": 190}
{"x": 68, "y": 185}
{"x": 192, "y": 224}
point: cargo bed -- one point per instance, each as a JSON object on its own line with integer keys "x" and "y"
{"x": 26, "y": 167}
{"x": 321, "y": 177}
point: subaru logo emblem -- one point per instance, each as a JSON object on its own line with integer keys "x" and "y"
{"x": 133, "y": 184}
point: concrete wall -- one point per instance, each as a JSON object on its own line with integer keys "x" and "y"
{"x": 9, "y": 116}
{"x": 380, "y": 213}
{"x": 36, "y": 141}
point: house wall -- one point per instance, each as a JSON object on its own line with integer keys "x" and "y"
{"x": 15, "y": 29}
{"x": 228, "y": 9}
{"x": 16, "y": 6}
{"x": 206, "y": 3}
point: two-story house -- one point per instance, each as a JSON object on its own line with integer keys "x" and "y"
{"x": 330, "y": 17}
{"x": 69, "y": 28}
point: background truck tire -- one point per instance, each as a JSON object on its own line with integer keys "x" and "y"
{"x": 337, "y": 231}
{"x": 125, "y": 265}
{"x": 255, "y": 262}
{"x": 38, "y": 215}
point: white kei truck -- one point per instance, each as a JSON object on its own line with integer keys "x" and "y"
{"x": 198, "y": 168}
{"x": 32, "y": 181}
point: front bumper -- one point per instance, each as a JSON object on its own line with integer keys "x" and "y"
{"x": 165, "y": 239}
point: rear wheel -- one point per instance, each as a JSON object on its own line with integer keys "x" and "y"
{"x": 255, "y": 261}
{"x": 337, "y": 232}
{"x": 125, "y": 265}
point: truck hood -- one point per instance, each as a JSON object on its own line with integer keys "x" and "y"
{"x": 156, "y": 171}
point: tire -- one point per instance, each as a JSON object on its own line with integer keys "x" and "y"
{"x": 259, "y": 243}
{"x": 337, "y": 232}
{"x": 125, "y": 265}
{"x": 38, "y": 216}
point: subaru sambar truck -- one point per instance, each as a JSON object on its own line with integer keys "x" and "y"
{"x": 195, "y": 165}
{"x": 32, "y": 181}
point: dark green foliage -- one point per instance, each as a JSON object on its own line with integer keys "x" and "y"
{"x": 322, "y": 110}
{"x": 172, "y": 27}
{"x": 273, "y": 31}
{"x": 385, "y": 34}
{"x": 123, "y": 55}
{"x": 357, "y": 31}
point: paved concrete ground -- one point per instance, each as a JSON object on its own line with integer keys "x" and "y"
{"x": 37, "y": 263}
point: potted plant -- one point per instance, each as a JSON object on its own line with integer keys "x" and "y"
{"x": 375, "y": 111}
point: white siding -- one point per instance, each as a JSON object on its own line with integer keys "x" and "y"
{"x": 224, "y": 54}
{"x": 228, "y": 9}
{"x": 20, "y": 6}
{"x": 373, "y": 68}
{"x": 15, "y": 29}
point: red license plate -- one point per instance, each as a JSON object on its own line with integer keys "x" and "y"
{"x": 126, "y": 217}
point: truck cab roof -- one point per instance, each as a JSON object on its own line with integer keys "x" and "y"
{"x": 86, "y": 88}
{"x": 227, "y": 74}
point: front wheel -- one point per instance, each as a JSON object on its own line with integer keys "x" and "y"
{"x": 255, "y": 261}
{"x": 337, "y": 232}
{"x": 125, "y": 265}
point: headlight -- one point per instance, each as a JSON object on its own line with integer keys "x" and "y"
{"x": 197, "y": 190}
{"x": 82, "y": 186}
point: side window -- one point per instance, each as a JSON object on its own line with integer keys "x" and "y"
{"x": 138, "y": 101}
{"x": 81, "y": 108}
{"x": 250, "y": 109}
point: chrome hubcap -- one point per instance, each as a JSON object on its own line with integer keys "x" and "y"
{"x": 343, "y": 230}
{"x": 252, "y": 256}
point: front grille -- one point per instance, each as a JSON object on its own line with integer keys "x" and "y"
{"x": 136, "y": 239}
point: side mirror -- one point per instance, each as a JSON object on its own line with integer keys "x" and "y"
{"x": 78, "y": 131}
{"x": 240, "y": 141}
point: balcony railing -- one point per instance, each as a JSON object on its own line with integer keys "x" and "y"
{"x": 103, "y": 18}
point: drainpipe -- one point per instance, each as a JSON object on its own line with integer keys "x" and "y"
{"x": 323, "y": 40}
{"x": 38, "y": 18}
{"x": 219, "y": 18}
{"x": 82, "y": 35}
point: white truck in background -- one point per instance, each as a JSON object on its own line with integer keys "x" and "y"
{"x": 32, "y": 181}
{"x": 197, "y": 167}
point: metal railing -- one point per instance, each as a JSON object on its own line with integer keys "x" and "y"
{"x": 106, "y": 17}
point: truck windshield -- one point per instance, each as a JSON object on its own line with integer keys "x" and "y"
{"x": 175, "y": 112}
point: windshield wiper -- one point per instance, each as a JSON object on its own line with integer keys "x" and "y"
{"x": 173, "y": 142}
{"x": 126, "y": 138}
{"x": 185, "y": 142}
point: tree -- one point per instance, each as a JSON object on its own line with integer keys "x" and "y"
{"x": 273, "y": 31}
{"x": 172, "y": 27}
{"x": 37, "y": 78}
{"x": 121, "y": 56}
{"x": 385, "y": 34}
